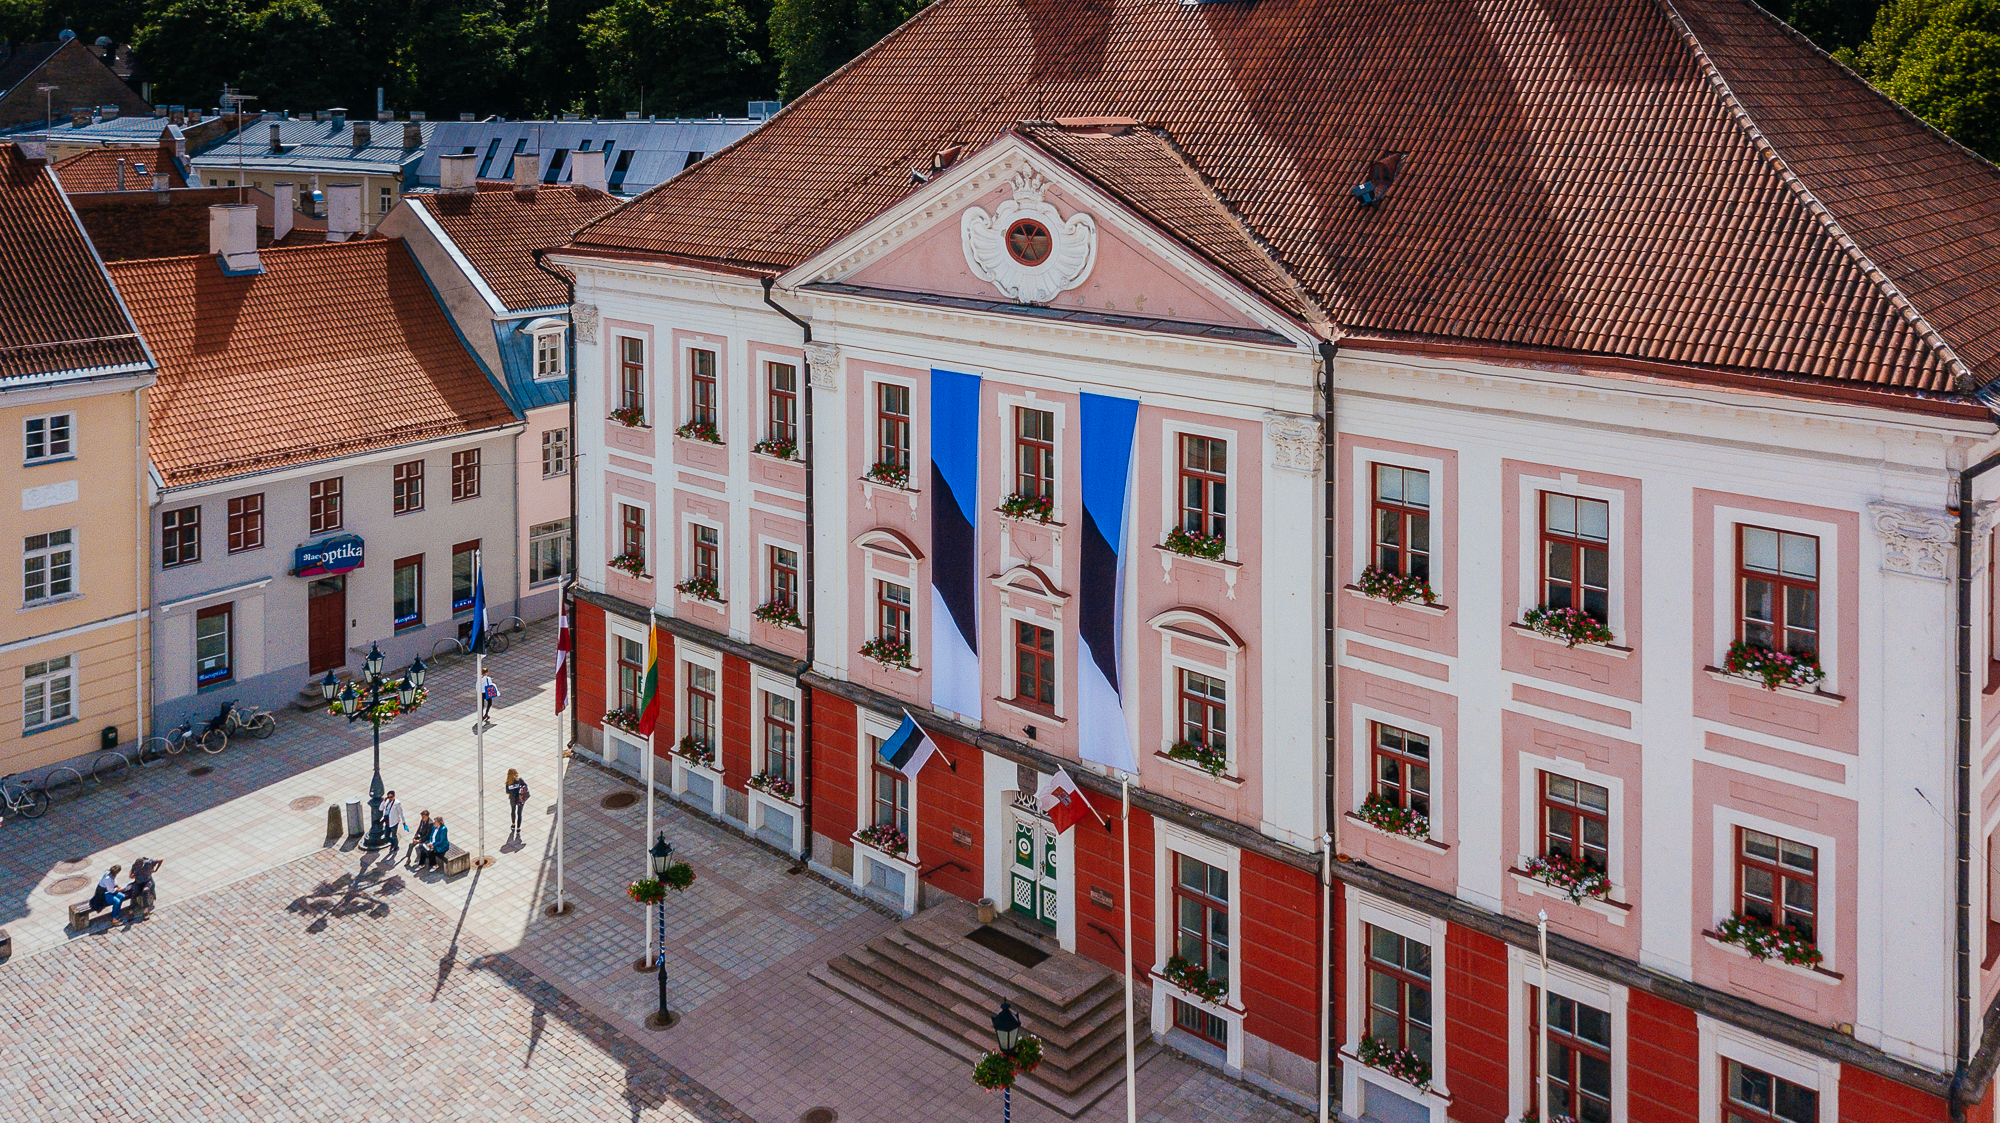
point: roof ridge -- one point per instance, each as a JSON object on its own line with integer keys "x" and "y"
{"x": 1830, "y": 222}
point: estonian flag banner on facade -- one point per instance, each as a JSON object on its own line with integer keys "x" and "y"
{"x": 1107, "y": 428}
{"x": 954, "y": 439}
{"x": 907, "y": 749}
{"x": 478, "y": 605}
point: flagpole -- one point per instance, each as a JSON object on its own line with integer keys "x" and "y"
{"x": 1542, "y": 1020}
{"x": 1131, "y": 1090}
{"x": 562, "y": 751}
{"x": 645, "y": 856}
{"x": 478, "y": 698}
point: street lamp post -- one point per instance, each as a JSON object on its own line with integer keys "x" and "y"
{"x": 347, "y": 703}
{"x": 663, "y": 860}
{"x": 1007, "y": 1032}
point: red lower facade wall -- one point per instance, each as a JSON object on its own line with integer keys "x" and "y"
{"x": 1099, "y": 904}
{"x": 834, "y": 784}
{"x": 1279, "y": 932}
{"x": 1663, "y": 1060}
{"x": 951, "y": 820}
{"x": 1476, "y": 1040}
{"x": 587, "y": 648}
{"x": 1868, "y": 1098}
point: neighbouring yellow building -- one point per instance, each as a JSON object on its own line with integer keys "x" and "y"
{"x": 74, "y": 375}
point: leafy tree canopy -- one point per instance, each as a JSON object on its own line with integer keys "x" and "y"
{"x": 1940, "y": 58}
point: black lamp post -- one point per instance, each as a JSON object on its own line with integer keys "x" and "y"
{"x": 663, "y": 859}
{"x": 1007, "y": 1031}
{"x": 346, "y": 702}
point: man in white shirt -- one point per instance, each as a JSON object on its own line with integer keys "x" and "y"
{"x": 108, "y": 894}
{"x": 392, "y": 820}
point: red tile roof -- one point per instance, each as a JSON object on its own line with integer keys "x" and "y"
{"x": 498, "y": 232}
{"x": 58, "y": 312}
{"x": 334, "y": 349}
{"x": 1678, "y": 181}
{"x": 97, "y": 169}
{"x": 126, "y": 225}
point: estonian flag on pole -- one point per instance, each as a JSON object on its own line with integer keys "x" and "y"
{"x": 907, "y": 749}
{"x": 478, "y": 605}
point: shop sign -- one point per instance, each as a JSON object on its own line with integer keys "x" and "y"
{"x": 338, "y": 554}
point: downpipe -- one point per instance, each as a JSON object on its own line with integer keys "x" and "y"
{"x": 806, "y": 602}
{"x": 1962, "y": 811}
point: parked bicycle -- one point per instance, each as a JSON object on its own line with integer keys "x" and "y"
{"x": 255, "y": 722}
{"x": 180, "y": 739}
{"x": 450, "y": 650}
{"x": 19, "y": 799}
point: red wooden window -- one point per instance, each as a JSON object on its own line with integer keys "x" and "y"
{"x": 1402, "y": 520}
{"x": 1034, "y": 664}
{"x": 1576, "y": 554}
{"x": 631, "y": 673}
{"x": 701, "y": 386}
{"x": 632, "y": 374}
{"x": 891, "y": 794}
{"x": 180, "y": 537}
{"x": 1402, "y": 763}
{"x": 784, "y": 402}
{"x": 1399, "y": 991}
{"x": 1777, "y": 881}
{"x": 1204, "y": 486}
{"x": 1204, "y": 710}
{"x": 785, "y": 577}
{"x": 1034, "y": 452}
{"x": 892, "y": 425}
{"x": 1778, "y": 589}
{"x": 323, "y": 508}
{"x": 1753, "y": 1096}
{"x": 1201, "y": 915}
{"x": 780, "y": 736}
{"x": 701, "y": 705}
{"x": 465, "y": 475}
{"x": 708, "y": 553}
{"x": 246, "y": 523}
{"x": 1576, "y": 820}
{"x": 408, "y": 491}
{"x": 632, "y": 531}
{"x": 892, "y": 612}
{"x": 1579, "y": 1059}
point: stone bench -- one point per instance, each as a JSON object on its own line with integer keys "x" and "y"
{"x": 81, "y": 915}
{"x": 457, "y": 861}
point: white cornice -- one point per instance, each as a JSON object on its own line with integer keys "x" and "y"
{"x": 321, "y": 467}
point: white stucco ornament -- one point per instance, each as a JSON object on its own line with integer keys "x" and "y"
{"x": 1914, "y": 540}
{"x": 823, "y": 365}
{"x": 584, "y": 316}
{"x": 1025, "y": 248}
{"x": 1295, "y": 442}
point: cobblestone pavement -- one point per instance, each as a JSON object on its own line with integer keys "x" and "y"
{"x": 283, "y": 1000}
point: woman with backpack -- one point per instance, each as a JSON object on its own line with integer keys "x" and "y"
{"x": 517, "y": 796}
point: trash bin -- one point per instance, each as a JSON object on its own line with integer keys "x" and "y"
{"x": 354, "y": 825}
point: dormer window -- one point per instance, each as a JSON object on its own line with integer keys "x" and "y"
{"x": 549, "y": 351}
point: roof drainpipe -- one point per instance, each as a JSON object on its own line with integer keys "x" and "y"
{"x": 806, "y": 601}
{"x": 1962, "y": 812}
{"x": 566, "y": 594}
{"x": 1330, "y": 640}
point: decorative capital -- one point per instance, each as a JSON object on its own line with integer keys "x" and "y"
{"x": 1916, "y": 541}
{"x": 584, "y": 318}
{"x": 823, "y": 365}
{"x": 1295, "y": 442}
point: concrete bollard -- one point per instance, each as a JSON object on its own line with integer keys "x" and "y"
{"x": 334, "y": 827}
{"x": 354, "y": 822}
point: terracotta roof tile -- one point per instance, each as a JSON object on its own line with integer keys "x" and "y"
{"x": 126, "y": 225}
{"x": 334, "y": 349}
{"x": 97, "y": 170}
{"x": 58, "y": 312}
{"x": 498, "y": 231}
{"x": 1667, "y": 180}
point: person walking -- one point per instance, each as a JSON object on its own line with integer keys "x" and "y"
{"x": 392, "y": 818}
{"x": 489, "y": 692}
{"x": 108, "y": 894}
{"x": 517, "y": 797}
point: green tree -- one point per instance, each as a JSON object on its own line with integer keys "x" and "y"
{"x": 299, "y": 54}
{"x": 193, "y": 47}
{"x": 813, "y": 38}
{"x": 691, "y": 56}
{"x": 463, "y": 59}
{"x": 23, "y": 21}
{"x": 1941, "y": 58}
{"x": 1834, "y": 25}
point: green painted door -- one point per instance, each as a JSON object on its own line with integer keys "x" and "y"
{"x": 1032, "y": 875}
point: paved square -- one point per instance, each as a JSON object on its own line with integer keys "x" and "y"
{"x": 286, "y": 977}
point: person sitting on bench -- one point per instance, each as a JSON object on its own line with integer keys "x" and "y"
{"x": 108, "y": 894}
{"x": 140, "y": 892}
{"x": 440, "y": 844}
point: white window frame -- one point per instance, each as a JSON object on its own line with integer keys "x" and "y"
{"x": 871, "y": 412}
{"x": 70, "y": 548}
{"x": 568, "y": 551}
{"x": 1361, "y": 550}
{"x": 45, "y": 680}
{"x": 910, "y": 864}
{"x": 1172, "y": 664}
{"x": 760, "y": 409}
{"x": 1010, "y": 613}
{"x": 1027, "y": 399}
{"x": 551, "y": 339}
{"x": 1723, "y": 859}
{"x": 1364, "y": 909}
{"x": 1172, "y": 429}
{"x": 1529, "y": 785}
{"x": 690, "y": 523}
{"x": 766, "y": 590}
{"x": 1524, "y": 971}
{"x": 898, "y": 569}
{"x": 616, "y": 628}
{"x": 719, "y": 347}
{"x": 1530, "y": 592}
{"x": 1171, "y": 839}
{"x": 68, "y": 418}
{"x": 1363, "y": 763}
{"x": 764, "y": 684}
{"x": 1720, "y": 1041}
{"x": 711, "y": 661}
{"x": 1727, "y": 519}
{"x": 568, "y": 453}
{"x": 620, "y": 499}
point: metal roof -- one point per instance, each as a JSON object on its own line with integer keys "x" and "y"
{"x": 319, "y": 146}
{"x": 660, "y": 147}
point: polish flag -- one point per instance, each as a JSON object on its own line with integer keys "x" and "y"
{"x": 1062, "y": 801}
{"x": 562, "y": 662}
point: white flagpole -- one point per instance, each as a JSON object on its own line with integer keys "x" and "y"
{"x": 1326, "y": 977}
{"x": 1131, "y": 1090}
{"x": 478, "y": 712}
{"x": 1542, "y": 1020}
{"x": 562, "y": 760}
{"x": 645, "y": 852}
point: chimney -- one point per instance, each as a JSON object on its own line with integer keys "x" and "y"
{"x": 343, "y": 211}
{"x": 284, "y": 204}
{"x": 363, "y": 134}
{"x": 416, "y": 114}
{"x": 108, "y": 112}
{"x": 121, "y": 173}
{"x": 79, "y": 117}
{"x": 338, "y": 117}
{"x": 413, "y": 136}
{"x": 586, "y": 169}
{"x": 457, "y": 172}
{"x": 527, "y": 168}
{"x": 276, "y": 144}
{"x": 232, "y": 235}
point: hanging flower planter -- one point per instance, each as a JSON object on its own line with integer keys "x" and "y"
{"x": 1038, "y": 508}
{"x": 1394, "y": 587}
{"x": 1570, "y": 625}
{"x": 1774, "y": 668}
{"x": 1192, "y": 544}
{"x": 679, "y": 876}
{"x": 1400, "y": 1063}
{"x": 1574, "y": 876}
{"x": 699, "y": 431}
{"x": 1385, "y": 815}
{"x": 994, "y": 1071}
{"x": 1207, "y": 758}
{"x": 648, "y": 892}
{"x": 891, "y": 473}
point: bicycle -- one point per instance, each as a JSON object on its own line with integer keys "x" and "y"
{"x": 29, "y": 802}
{"x": 449, "y": 650}
{"x": 257, "y": 723}
{"x": 155, "y": 749}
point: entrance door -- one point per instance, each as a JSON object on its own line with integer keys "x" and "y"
{"x": 326, "y": 624}
{"x": 1032, "y": 876}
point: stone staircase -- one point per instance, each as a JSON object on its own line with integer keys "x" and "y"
{"x": 930, "y": 976}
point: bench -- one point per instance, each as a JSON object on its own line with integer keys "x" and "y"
{"x": 457, "y": 861}
{"x": 81, "y": 915}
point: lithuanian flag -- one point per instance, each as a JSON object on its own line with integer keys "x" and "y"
{"x": 649, "y": 691}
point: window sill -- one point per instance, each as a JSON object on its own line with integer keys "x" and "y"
{"x": 1226, "y": 779}
{"x": 1614, "y": 911}
{"x": 1228, "y": 569}
{"x": 678, "y": 439}
{"x": 871, "y": 489}
{"x": 905, "y": 861}
{"x": 629, "y": 576}
{"x": 1219, "y": 1009}
{"x": 1051, "y": 522}
{"x": 1820, "y": 696}
{"x": 681, "y": 760}
{"x": 218, "y": 684}
{"x": 1413, "y": 606}
{"x": 754, "y": 792}
{"x": 1429, "y": 1095}
{"x": 51, "y": 725}
{"x": 629, "y": 424}
{"x": 894, "y": 668}
{"x": 1035, "y": 712}
{"x": 1611, "y": 649}
{"x": 1817, "y": 974}
{"x": 48, "y": 460}
{"x": 47, "y": 602}
{"x": 1368, "y": 826}
{"x": 776, "y": 459}
{"x": 715, "y": 603}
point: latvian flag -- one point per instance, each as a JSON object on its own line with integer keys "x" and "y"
{"x": 906, "y": 750}
{"x": 562, "y": 661}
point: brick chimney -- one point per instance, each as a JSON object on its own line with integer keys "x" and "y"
{"x": 284, "y": 205}
{"x": 343, "y": 211}
{"x": 79, "y": 117}
{"x": 527, "y": 173}
{"x": 586, "y": 169}
{"x": 363, "y": 134}
{"x": 413, "y": 136}
{"x": 457, "y": 172}
{"x": 277, "y": 145}
{"x": 232, "y": 236}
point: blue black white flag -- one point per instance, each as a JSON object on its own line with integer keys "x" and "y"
{"x": 954, "y": 655}
{"x": 1108, "y": 425}
{"x": 478, "y": 605}
{"x": 907, "y": 750}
